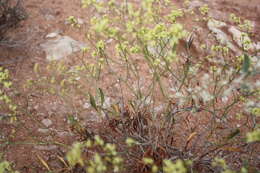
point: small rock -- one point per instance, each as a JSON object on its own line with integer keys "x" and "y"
{"x": 224, "y": 99}
{"x": 239, "y": 37}
{"x": 43, "y": 130}
{"x": 80, "y": 21}
{"x": 36, "y": 107}
{"x": 61, "y": 47}
{"x": 86, "y": 105}
{"x": 47, "y": 122}
{"x": 53, "y": 34}
{"x": 49, "y": 17}
{"x": 107, "y": 102}
{"x": 214, "y": 26}
{"x": 109, "y": 40}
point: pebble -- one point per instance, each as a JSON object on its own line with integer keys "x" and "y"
{"x": 43, "y": 130}
{"x": 47, "y": 122}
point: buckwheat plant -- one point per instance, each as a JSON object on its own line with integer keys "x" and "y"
{"x": 5, "y": 95}
{"x": 141, "y": 57}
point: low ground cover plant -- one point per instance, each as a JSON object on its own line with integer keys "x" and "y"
{"x": 11, "y": 13}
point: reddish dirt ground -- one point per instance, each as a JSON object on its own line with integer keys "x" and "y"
{"x": 24, "y": 144}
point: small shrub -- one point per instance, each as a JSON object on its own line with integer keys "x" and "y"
{"x": 11, "y": 13}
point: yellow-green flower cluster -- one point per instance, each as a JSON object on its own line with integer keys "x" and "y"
{"x": 108, "y": 160}
{"x": 5, "y": 83}
{"x": 74, "y": 156}
{"x": 253, "y": 136}
{"x": 87, "y": 3}
{"x": 150, "y": 162}
{"x": 204, "y": 9}
{"x": 73, "y": 21}
{"x": 175, "y": 14}
{"x": 171, "y": 167}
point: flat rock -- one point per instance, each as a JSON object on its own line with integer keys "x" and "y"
{"x": 49, "y": 17}
{"x": 61, "y": 47}
{"x": 86, "y": 105}
{"x": 53, "y": 34}
{"x": 46, "y": 122}
{"x": 213, "y": 24}
{"x": 215, "y": 27}
{"x": 107, "y": 103}
{"x": 80, "y": 21}
{"x": 43, "y": 130}
{"x": 239, "y": 37}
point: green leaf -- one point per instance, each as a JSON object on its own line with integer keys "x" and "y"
{"x": 246, "y": 64}
{"x": 72, "y": 119}
{"x": 93, "y": 102}
{"x": 102, "y": 96}
{"x": 253, "y": 136}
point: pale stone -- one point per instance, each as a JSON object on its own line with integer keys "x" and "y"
{"x": 80, "y": 21}
{"x": 61, "y": 47}
{"x": 47, "y": 122}
{"x": 43, "y": 130}
{"x": 239, "y": 37}
{"x": 53, "y": 34}
{"x": 86, "y": 105}
{"x": 214, "y": 26}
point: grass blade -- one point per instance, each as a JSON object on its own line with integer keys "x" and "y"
{"x": 102, "y": 96}
{"x": 246, "y": 64}
{"x": 93, "y": 102}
